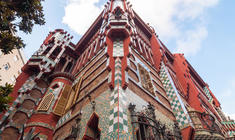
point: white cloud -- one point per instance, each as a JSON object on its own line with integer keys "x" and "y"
{"x": 232, "y": 116}
{"x": 227, "y": 97}
{"x": 230, "y": 90}
{"x": 168, "y": 17}
{"x": 80, "y": 14}
{"x": 190, "y": 43}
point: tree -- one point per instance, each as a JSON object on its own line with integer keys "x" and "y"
{"x": 18, "y": 15}
{"x": 5, "y": 99}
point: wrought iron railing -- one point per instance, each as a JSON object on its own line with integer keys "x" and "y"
{"x": 146, "y": 127}
{"x": 204, "y": 121}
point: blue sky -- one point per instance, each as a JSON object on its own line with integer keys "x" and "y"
{"x": 203, "y": 30}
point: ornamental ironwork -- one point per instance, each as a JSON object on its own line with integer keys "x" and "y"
{"x": 146, "y": 127}
{"x": 75, "y": 130}
{"x": 209, "y": 122}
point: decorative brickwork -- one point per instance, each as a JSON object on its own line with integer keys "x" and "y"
{"x": 29, "y": 84}
{"x": 119, "y": 82}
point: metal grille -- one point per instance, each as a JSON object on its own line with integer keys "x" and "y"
{"x": 46, "y": 102}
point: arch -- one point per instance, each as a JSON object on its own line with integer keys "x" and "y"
{"x": 20, "y": 118}
{"x": 10, "y": 133}
{"x": 28, "y": 104}
{"x": 35, "y": 93}
{"x": 41, "y": 83}
{"x": 92, "y": 131}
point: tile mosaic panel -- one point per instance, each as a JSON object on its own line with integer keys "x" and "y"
{"x": 118, "y": 50}
{"x": 178, "y": 111}
{"x": 103, "y": 109}
{"x": 63, "y": 118}
{"x": 118, "y": 114}
{"x": 208, "y": 94}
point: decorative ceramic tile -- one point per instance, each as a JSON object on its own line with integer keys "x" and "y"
{"x": 118, "y": 50}
{"x": 208, "y": 94}
{"x": 178, "y": 111}
{"x": 118, "y": 115}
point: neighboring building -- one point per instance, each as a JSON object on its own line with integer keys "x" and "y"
{"x": 118, "y": 82}
{"x": 10, "y": 66}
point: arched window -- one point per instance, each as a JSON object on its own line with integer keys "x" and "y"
{"x": 60, "y": 65}
{"x": 46, "y": 102}
{"x": 55, "y": 86}
{"x": 68, "y": 67}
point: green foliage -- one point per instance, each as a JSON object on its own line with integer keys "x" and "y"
{"x": 5, "y": 99}
{"x": 18, "y": 15}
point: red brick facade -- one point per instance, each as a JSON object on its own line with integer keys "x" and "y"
{"x": 119, "y": 72}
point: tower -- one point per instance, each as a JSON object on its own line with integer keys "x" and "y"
{"x": 118, "y": 82}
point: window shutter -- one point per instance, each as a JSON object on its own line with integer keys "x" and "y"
{"x": 70, "y": 100}
{"x": 74, "y": 94}
{"x": 62, "y": 102}
{"x": 77, "y": 89}
{"x": 46, "y": 102}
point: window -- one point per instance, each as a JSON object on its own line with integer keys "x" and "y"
{"x": 19, "y": 71}
{"x": 55, "y": 86}
{"x": 146, "y": 79}
{"x": 16, "y": 58}
{"x": 145, "y": 132}
{"x": 46, "y": 102}
{"x": 68, "y": 67}
{"x": 6, "y": 66}
{"x": 62, "y": 101}
{"x": 13, "y": 79}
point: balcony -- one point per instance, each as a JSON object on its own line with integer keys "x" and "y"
{"x": 40, "y": 62}
{"x": 205, "y": 126}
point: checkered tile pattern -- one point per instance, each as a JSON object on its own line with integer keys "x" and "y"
{"x": 118, "y": 115}
{"x": 118, "y": 48}
{"x": 208, "y": 94}
{"x": 28, "y": 85}
{"x": 174, "y": 101}
{"x": 63, "y": 119}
